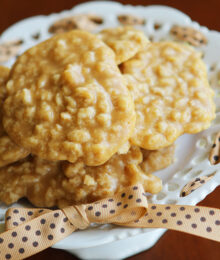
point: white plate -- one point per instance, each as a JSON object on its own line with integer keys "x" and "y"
{"x": 108, "y": 241}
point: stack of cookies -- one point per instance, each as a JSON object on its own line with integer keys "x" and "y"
{"x": 82, "y": 116}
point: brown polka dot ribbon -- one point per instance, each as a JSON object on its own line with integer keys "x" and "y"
{"x": 33, "y": 230}
{"x": 214, "y": 156}
{"x": 195, "y": 184}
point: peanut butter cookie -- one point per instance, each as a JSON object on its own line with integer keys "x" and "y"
{"x": 125, "y": 41}
{"x": 48, "y": 184}
{"x": 70, "y": 102}
{"x": 171, "y": 92}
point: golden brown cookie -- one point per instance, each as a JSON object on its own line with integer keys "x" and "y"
{"x": 171, "y": 92}
{"x": 125, "y": 41}
{"x": 70, "y": 102}
{"x": 93, "y": 183}
{"x": 87, "y": 22}
{"x": 131, "y": 20}
{"x": 31, "y": 178}
{"x": 188, "y": 34}
{"x": 158, "y": 159}
{"x": 9, "y": 151}
{"x": 48, "y": 184}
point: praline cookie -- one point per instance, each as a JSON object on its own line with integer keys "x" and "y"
{"x": 171, "y": 92}
{"x": 70, "y": 102}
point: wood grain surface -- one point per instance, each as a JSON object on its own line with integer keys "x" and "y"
{"x": 173, "y": 245}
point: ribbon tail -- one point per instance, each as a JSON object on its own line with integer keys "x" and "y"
{"x": 35, "y": 235}
{"x": 199, "y": 221}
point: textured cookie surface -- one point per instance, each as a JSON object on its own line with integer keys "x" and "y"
{"x": 28, "y": 177}
{"x": 125, "y": 41}
{"x": 93, "y": 183}
{"x": 4, "y": 74}
{"x": 70, "y": 102}
{"x": 158, "y": 159}
{"x": 9, "y": 151}
{"x": 48, "y": 184}
{"x": 171, "y": 92}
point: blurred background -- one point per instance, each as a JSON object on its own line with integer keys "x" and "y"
{"x": 172, "y": 245}
{"x": 206, "y": 12}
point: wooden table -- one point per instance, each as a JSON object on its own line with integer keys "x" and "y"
{"x": 173, "y": 245}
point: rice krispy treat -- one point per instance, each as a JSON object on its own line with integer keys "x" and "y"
{"x": 48, "y": 184}
{"x": 125, "y": 41}
{"x": 9, "y": 151}
{"x": 158, "y": 159}
{"x": 70, "y": 102}
{"x": 171, "y": 92}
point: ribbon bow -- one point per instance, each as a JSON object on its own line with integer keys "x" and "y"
{"x": 33, "y": 230}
